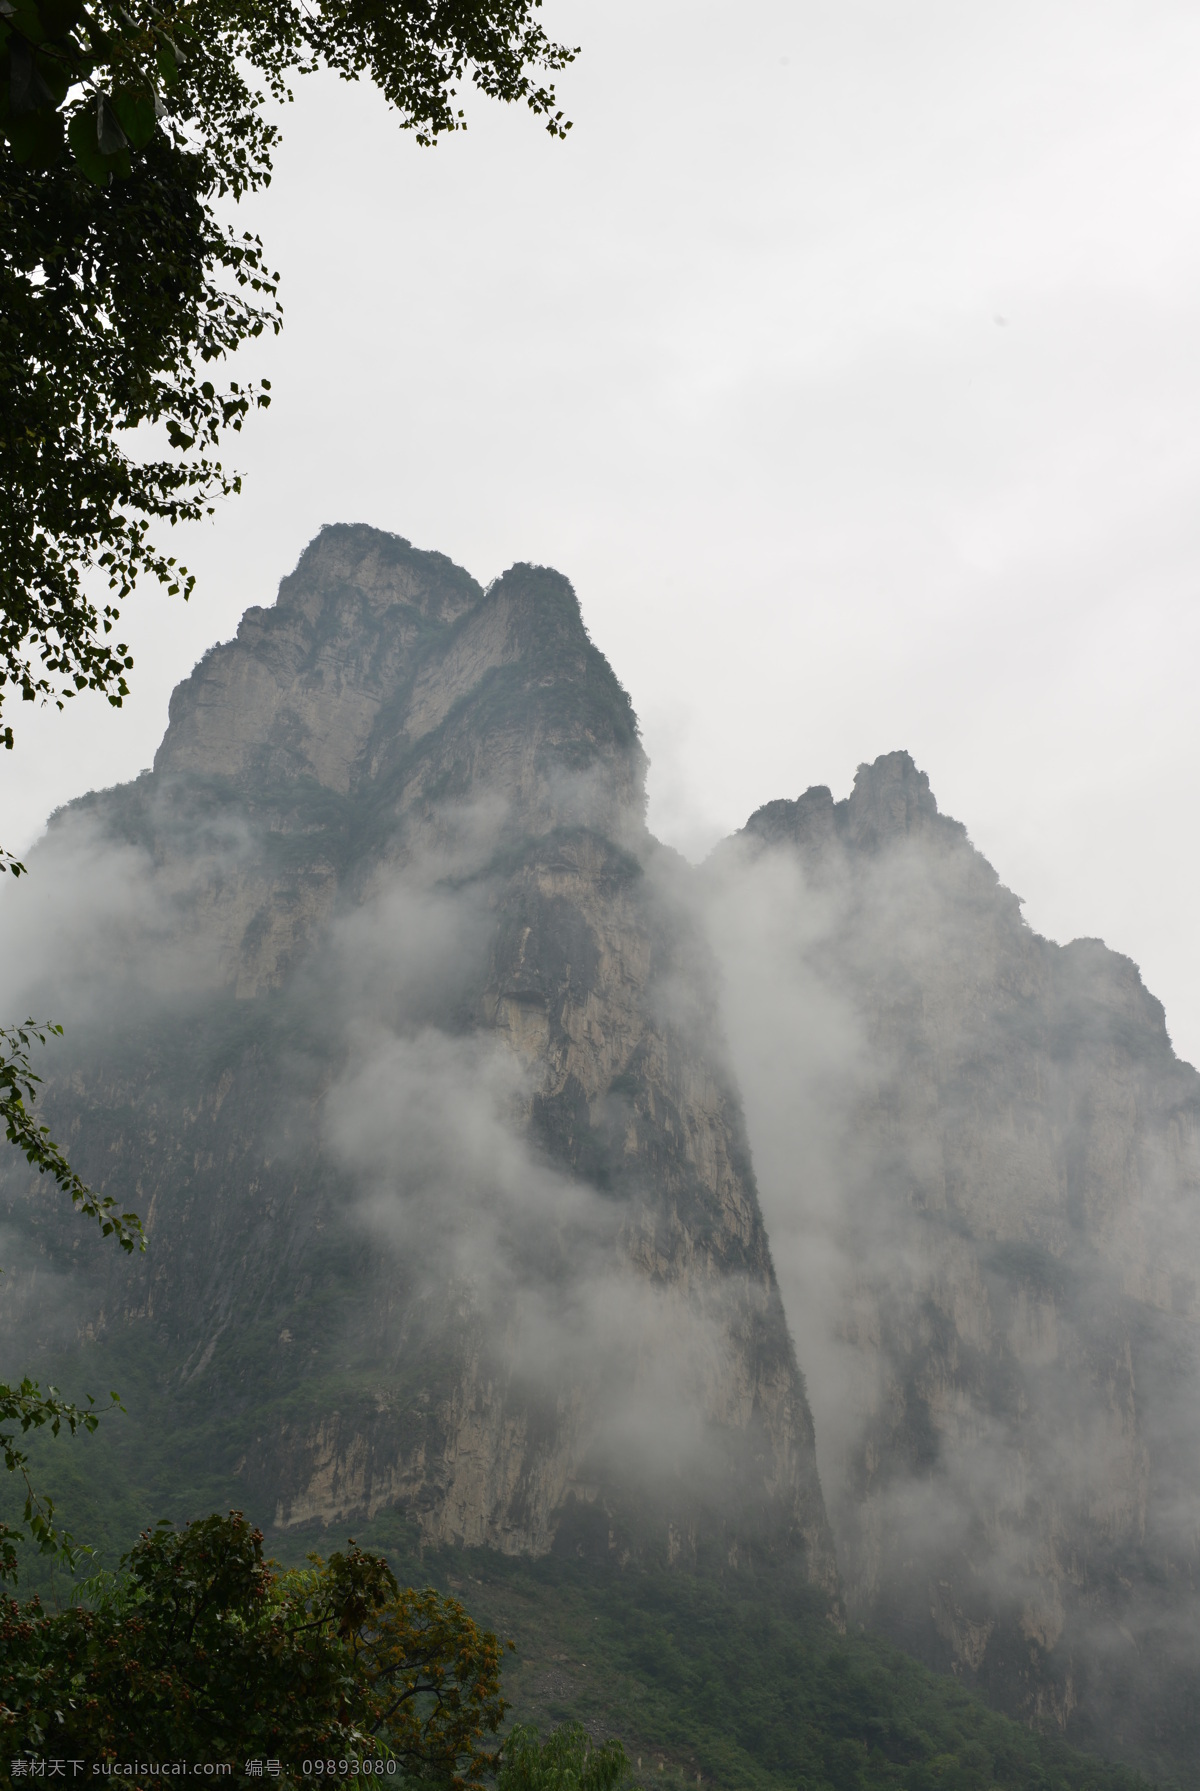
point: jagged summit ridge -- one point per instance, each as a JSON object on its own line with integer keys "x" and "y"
{"x": 891, "y": 799}
{"x": 367, "y": 651}
{"x": 892, "y": 806}
{"x": 386, "y": 710}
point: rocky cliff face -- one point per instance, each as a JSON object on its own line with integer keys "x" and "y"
{"x": 980, "y": 1163}
{"x": 386, "y": 1014}
{"x": 407, "y": 1041}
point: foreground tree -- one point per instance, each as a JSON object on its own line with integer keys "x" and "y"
{"x": 201, "y": 1650}
{"x": 126, "y": 123}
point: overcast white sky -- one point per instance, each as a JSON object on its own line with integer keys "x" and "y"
{"x": 846, "y": 357}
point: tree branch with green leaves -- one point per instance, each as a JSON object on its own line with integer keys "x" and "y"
{"x": 26, "y": 1407}
{"x": 18, "y": 1084}
{"x": 125, "y": 124}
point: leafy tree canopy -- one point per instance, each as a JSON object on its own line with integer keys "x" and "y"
{"x": 202, "y": 1650}
{"x": 125, "y": 123}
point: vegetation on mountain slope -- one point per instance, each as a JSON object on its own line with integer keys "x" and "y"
{"x": 742, "y": 1681}
{"x": 734, "y": 1678}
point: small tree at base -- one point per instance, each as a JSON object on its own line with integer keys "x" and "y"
{"x": 202, "y": 1650}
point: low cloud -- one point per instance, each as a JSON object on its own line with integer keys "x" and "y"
{"x": 392, "y": 1082}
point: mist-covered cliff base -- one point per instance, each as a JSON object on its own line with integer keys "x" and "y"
{"x": 385, "y": 1012}
{"x": 980, "y": 1167}
{"x": 735, "y": 1676}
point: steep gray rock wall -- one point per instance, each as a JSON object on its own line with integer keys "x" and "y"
{"x": 980, "y": 1162}
{"x": 387, "y": 1015}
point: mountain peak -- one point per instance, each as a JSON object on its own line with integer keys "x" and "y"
{"x": 360, "y": 668}
{"x": 891, "y": 800}
{"x": 381, "y": 568}
{"x": 455, "y": 1156}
